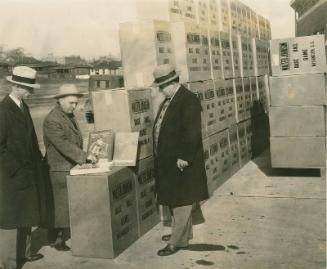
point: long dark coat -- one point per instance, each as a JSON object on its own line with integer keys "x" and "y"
{"x": 63, "y": 142}
{"x": 180, "y": 137}
{"x": 20, "y": 164}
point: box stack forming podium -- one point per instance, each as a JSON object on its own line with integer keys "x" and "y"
{"x": 298, "y": 102}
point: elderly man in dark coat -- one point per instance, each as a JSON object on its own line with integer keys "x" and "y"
{"x": 20, "y": 159}
{"x": 64, "y": 149}
{"x": 178, "y": 155}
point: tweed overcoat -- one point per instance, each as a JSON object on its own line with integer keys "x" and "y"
{"x": 180, "y": 137}
{"x": 20, "y": 162}
{"x": 63, "y": 142}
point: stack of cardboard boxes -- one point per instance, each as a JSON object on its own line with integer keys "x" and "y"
{"x": 298, "y": 99}
{"x": 221, "y": 49}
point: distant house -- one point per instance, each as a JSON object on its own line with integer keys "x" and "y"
{"x": 68, "y": 72}
{"x": 107, "y": 68}
{"x": 101, "y": 82}
{"x": 74, "y": 60}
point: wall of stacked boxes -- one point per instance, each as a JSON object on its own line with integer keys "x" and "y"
{"x": 221, "y": 49}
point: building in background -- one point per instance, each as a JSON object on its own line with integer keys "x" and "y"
{"x": 310, "y": 17}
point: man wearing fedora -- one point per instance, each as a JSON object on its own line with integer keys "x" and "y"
{"x": 64, "y": 149}
{"x": 180, "y": 175}
{"x": 20, "y": 160}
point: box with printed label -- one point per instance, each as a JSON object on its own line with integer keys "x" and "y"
{"x": 298, "y": 55}
{"x": 239, "y": 99}
{"x": 223, "y": 16}
{"x": 224, "y": 154}
{"x": 234, "y": 151}
{"x": 230, "y": 103}
{"x": 248, "y": 104}
{"x": 125, "y": 111}
{"x": 102, "y": 213}
{"x": 226, "y": 55}
{"x": 215, "y": 55}
{"x": 242, "y": 143}
{"x": 236, "y": 56}
{"x": 189, "y": 46}
{"x": 221, "y": 104}
{"x": 210, "y": 110}
{"x": 147, "y": 213}
{"x": 155, "y": 38}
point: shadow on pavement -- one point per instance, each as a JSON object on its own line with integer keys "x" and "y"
{"x": 205, "y": 247}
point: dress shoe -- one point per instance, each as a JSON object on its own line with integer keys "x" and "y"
{"x": 34, "y": 257}
{"x": 61, "y": 247}
{"x": 166, "y": 237}
{"x": 169, "y": 250}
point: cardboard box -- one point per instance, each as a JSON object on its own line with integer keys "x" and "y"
{"x": 202, "y": 12}
{"x": 239, "y": 99}
{"x": 213, "y": 13}
{"x": 298, "y": 55}
{"x": 298, "y": 152}
{"x": 234, "y": 151}
{"x": 254, "y": 25}
{"x": 224, "y": 154}
{"x": 147, "y": 212}
{"x": 234, "y": 19}
{"x": 205, "y": 53}
{"x": 198, "y": 89}
{"x": 221, "y": 104}
{"x": 223, "y": 16}
{"x": 215, "y": 164}
{"x": 260, "y": 56}
{"x": 230, "y": 102}
{"x": 249, "y": 135}
{"x": 168, "y": 10}
{"x": 236, "y": 56}
{"x": 210, "y": 111}
{"x": 261, "y": 21}
{"x": 248, "y": 104}
{"x": 102, "y": 213}
{"x": 297, "y": 90}
{"x": 125, "y": 111}
{"x": 242, "y": 144}
{"x": 215, "y": 55}
{"x": 189, "y": 46}
{"x": 297, "y": 121}
{"x": 263, "y": 92}
{"x": 152, "y": 37}
{"x": 226, "y": 55}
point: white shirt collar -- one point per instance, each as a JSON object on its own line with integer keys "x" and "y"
{"x": 16, "y": 100}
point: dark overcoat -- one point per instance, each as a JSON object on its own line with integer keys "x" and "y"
{"x": 20, "y": 161}
{"x": 63, "y": 142}
{"x": 180, "y": 137}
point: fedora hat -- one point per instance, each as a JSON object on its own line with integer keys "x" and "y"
{"x": 68, "y": 90}
{"x": 25, "y": 76}
{"x": 163, "y": 74}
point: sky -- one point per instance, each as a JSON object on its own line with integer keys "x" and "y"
{"x": 90, "y": 27}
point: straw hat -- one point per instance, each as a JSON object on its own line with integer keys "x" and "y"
{"x": 163, "y": 74}
{"x": 25, "y": 76}
{"x": 68, "y": 90}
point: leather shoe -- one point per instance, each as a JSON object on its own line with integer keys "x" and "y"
{"x": 61, "y": 247}
{"x": 169, "y": 250}
{"x": 166, "y": 237}
{"x": 33, "y": 257}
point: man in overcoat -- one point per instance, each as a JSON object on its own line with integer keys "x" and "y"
{"x": 20, "y": 159}
{"x": 63, "y": 141}
{"x": 178, "y": 156}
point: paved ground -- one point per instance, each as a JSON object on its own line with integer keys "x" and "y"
{"x": 258, "y": 219}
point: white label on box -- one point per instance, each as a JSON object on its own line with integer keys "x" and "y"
{"x": 275, "y": 59}
{"x": 108, "y": 97}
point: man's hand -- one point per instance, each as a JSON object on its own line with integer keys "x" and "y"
{"x": 181, "y": 164}
{"x": 91, "y": 159}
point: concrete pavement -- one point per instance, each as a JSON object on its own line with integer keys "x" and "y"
{"x": 258, "y": 219}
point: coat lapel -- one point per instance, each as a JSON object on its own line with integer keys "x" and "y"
{"x": 69, "y": 122}
{"x": 15, "y": 109}
{"x": 172, "y": 106}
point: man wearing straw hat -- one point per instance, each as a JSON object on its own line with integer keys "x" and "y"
{"x": 180, "y": 175}
{"x": 20, "y": 160}
{"x": 64, "y": 149}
